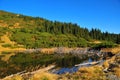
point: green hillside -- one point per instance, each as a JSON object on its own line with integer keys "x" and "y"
{"x": 57, "y": 43}
{"x": 35, "y": 32}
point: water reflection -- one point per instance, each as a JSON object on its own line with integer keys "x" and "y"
{"x": 90, "y": 60}
{"x": 71, "y": 70}
{"x": 67, "y": 70}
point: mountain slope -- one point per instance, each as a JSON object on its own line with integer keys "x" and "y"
{"x": 18, "y": 31}
{"x": 35, "y": 32}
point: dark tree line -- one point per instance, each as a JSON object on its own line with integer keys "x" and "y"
{"x": 74, "y": 29}
{"x": 98, "y": 35}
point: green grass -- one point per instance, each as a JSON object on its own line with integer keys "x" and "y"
{"x": 6, "y": 45}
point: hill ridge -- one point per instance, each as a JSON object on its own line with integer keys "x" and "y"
{"x": 34, "y": 32}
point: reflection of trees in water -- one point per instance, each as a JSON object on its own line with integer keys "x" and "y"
{"x": 70, "y": 60}
{"x": 35, "y": 60}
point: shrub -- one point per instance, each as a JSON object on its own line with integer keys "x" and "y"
{"x": 7, "y": 45}
{"x": 104, "y": 45}
{"x": 6, "y": 52}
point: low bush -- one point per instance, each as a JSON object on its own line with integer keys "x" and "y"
{"x": 104, "y": 45}
{"x": 7, "y": 45}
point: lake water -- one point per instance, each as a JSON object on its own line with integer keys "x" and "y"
{"x": 66, "y": 70}
{"x": 70, "y": 70}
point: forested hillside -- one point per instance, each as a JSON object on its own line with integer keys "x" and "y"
{"x": 31, "y": 44}
{"x": 35, "y": 32}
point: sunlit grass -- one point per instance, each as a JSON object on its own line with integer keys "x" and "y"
{"x": 44, "y": 76}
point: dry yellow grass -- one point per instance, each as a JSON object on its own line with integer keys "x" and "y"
{"x": 10, "y": 49}
{"x": 95, "y": 41}
{"x": 116, "y": 50}
{"x": 65, "y": 49}
{"x": 38, "y": 76}
{"x": 48, "y": 50}
{"x": 6, "y": 57}
{"x": 92, "y": 73}
{"x": 16, "y": 77}
{"x": 6, "y": 40}
{"x": 108, "y": 62}
{"x": 113, "y": 50}
{"x": 87, "y": 73}
{"x": 113, "y": 64}
{"x": 117, "y": 71}
{"x": 44, "y": 76}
